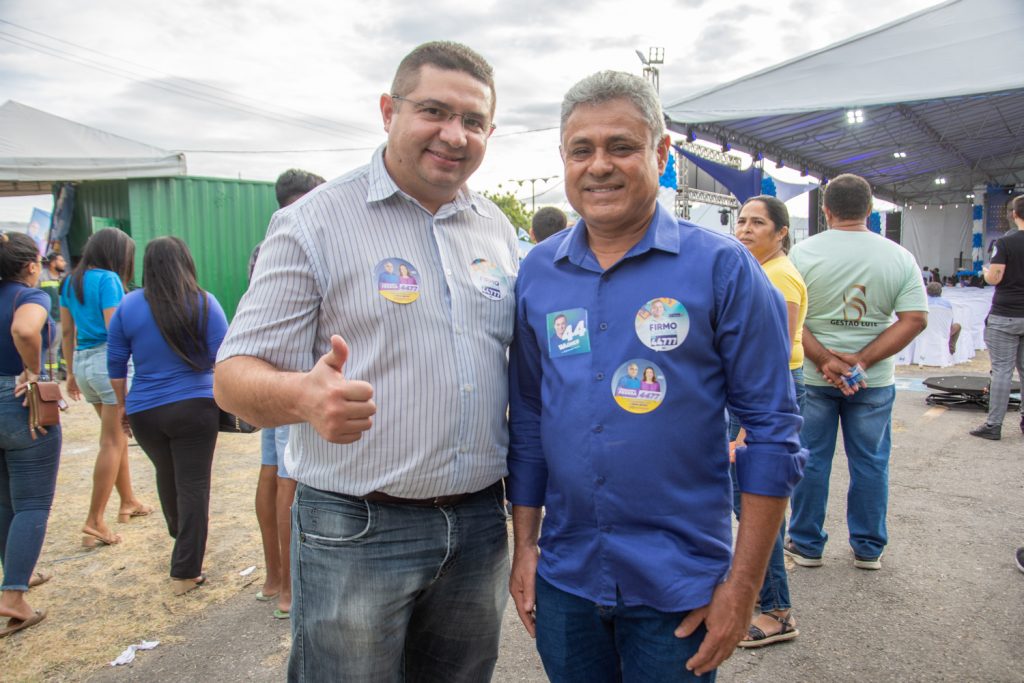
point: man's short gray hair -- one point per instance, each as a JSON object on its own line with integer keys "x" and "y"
{"x": 605, "y": 86}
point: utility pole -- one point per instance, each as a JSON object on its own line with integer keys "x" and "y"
{"x": 533, "y": 185}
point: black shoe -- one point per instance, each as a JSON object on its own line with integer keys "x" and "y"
{"x": 799, "y": 557}
{"x": 1019, "y": 556}
{"x": 987, "y": 431}
{"x": 1022, "y": 423}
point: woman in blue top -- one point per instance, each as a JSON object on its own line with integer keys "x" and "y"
{"x": 28, "y": 458}
{"x": 88, "y": 299}
{"x": 171, "y": 329}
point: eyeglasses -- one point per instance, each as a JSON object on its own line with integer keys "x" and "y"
{"x": 428, "y": 111}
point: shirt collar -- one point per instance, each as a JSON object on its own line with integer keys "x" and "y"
{"x": 662, "y": 234}
{"x": 383, "y": 186}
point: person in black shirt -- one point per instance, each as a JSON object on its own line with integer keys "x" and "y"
{"x": 1004, "y": 326}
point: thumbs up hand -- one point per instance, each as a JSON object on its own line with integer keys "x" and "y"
{"x": 339, "y": 409}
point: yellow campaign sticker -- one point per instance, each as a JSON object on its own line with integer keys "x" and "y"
{"x": 639, "y": 386}
{"x": 397, "y": 280}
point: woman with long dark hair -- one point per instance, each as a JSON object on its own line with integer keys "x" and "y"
{"x": 763, "y": 228}
{"x": 28, "y": 458}
{"x": 171, "y": 329}
{"x": 88, "y": 299}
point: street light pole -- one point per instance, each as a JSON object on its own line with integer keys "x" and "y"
{"x": 533, "y": 186}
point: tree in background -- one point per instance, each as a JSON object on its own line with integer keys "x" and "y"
{"x": 513, "y": 208}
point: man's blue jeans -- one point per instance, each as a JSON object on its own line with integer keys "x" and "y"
{"x": 866, "y": 419}
{"x": 390, "y": 593}
{"x": 583, "y": 642}
{"x": 28, "y": 478}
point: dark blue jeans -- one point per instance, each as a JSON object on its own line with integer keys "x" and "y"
{"x": 28, "y": 478}
{"x": 583, "y": 642}
{"x": 386, "y": 592}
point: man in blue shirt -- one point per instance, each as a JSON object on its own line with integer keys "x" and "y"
{"x": 637, "y": 578}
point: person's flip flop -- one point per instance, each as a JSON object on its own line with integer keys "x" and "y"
{"x": 141, "y": 511}
{"x": 265, "y": 597}
{"x": 758, "y": 638}
{"x": 282, "y": 614}
{"x": 15, "y": 625}
{"x": 39, "y": 577}
{"x": 92, "y": 539}
{"x": 182, "y": 586}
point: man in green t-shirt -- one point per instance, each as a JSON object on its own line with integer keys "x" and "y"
{"x": 856, "y": 280}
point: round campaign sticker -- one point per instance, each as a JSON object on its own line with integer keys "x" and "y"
{"x": 638, "y": 386}
{"x": 397, "y": 280}
{"x": 662, "y": 324}
{"x": 488, "y": 278}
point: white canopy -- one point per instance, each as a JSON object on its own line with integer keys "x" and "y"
{"x": 38, "y": 149}
{"x": 943, "y": 86}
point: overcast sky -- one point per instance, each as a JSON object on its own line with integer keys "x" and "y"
{"x": 266, "y": 77}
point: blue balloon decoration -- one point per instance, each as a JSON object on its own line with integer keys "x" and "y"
{"x": 768, "y": 186}
{"x": 875, "y": 222}
{"x": 668, "y": 178}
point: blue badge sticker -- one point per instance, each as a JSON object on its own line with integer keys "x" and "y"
{"x": 568, "y": 333}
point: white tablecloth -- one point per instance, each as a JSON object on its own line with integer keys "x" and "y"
{"x": 970, "y": 306}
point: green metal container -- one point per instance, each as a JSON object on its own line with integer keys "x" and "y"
{"x": 220, "y": 219}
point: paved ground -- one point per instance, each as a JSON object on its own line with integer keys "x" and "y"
{"x": 948, "y": 604}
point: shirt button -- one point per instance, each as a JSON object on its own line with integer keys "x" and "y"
{"x": 599, "y": 428}
{"x": 448, "y": 272}
{"x": 467, "y": 387}
{"x": 603, "y": 326}
{"x": 607, "y": 529}
{"x": 600, "y": 481}
{"x": 458, "y": 330}
{"x": 599, "y": 376}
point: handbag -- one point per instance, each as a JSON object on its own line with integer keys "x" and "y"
{"x": 232, "y": 424}
{"x": 45, "y": 404}
{"x": 44, "y": 399}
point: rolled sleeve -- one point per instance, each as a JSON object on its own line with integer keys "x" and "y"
{"x": 276, "y": 318}
{"x": 753, "y": 341}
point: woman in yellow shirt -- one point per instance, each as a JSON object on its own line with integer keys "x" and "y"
{"x": 763, "y": 228}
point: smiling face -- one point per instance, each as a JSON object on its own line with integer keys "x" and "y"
{"x": 757, "y": 232}
{"x": 633, "y": 370}
{"x": 403, "y": 271}
{"x": 649, "y": 375}
{"x": 611, "y": 166}
{"x": 657, "y": 309}
{"x": 431, "y": 160}
{"x": 561, "y": 322}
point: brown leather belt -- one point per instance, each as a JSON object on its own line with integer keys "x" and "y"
{"x": 436, "y": 502}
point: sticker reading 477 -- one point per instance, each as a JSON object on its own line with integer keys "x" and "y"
{"x": 567, "y": 332}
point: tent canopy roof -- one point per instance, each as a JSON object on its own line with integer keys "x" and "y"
{"x": 942, "y": 86}
{"x": 37, "y": 149}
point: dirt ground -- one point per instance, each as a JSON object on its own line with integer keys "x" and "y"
{"x": 102, "y": 600}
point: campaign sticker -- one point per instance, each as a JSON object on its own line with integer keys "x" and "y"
{"x": 397, "y": 280}
{"x": 638, "y": 386}
{"x": 489, "y": 279}
{"x": 568, "y": 333}
{"x": 662, "y": 324}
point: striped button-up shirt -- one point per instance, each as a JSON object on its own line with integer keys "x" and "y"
{"x": 426, "y": 304}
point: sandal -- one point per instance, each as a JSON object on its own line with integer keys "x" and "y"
{"x": 758, "y": 638}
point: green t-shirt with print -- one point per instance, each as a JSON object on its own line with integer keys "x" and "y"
{"x": 856, "y": 281}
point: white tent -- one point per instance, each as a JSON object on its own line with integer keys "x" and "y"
{"x": 944, "y": 86}
{"x": 38, "y": 149}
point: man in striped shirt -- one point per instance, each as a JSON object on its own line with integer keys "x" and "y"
{"x": 397, "y": 396}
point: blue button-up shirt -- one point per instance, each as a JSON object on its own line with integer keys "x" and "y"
{"x": 635, "y": 481}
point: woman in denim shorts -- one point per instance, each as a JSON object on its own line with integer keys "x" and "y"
{"x": 88, "y": 299}
{"x": 28, "y": 457}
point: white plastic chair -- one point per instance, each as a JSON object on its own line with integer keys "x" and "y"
{"x": 932, "y": 347}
